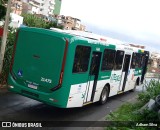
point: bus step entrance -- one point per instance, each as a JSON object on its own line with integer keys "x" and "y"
{"x": 119, "y": 92}
{"x": 87, "y": 103}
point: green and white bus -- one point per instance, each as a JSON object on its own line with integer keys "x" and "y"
{"x": 66, "y": 70}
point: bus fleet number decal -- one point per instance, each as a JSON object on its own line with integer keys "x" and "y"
{"x": 46, "y": 80}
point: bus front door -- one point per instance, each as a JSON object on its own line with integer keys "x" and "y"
{"x": 125, "y": 72}
{"x": 144, "y": 65}
{"x": 93, "y": 77}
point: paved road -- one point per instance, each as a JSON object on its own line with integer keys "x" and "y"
{"x": 18, "y": 108}
{"x": 15, "y": 107}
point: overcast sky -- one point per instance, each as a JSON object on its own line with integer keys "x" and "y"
{"x": 135, "y": 21}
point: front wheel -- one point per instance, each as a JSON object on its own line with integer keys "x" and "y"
{"x": 104, "y": 95}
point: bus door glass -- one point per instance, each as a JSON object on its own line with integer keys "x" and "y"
{"x": 116, "y": 75}
{"x": 93, "y": 76}
{"x": 125, "y": 72}
{"x": 144, "y": 61}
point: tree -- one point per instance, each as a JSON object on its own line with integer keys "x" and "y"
{"x": 2, "y": 11}
{"x": 2, "y": 8}
{"x": 31, "y": 20}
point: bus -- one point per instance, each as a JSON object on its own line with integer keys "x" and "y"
{"x": 66, "y": 69}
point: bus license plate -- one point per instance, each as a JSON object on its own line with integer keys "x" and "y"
{"x": 32, "y": 86}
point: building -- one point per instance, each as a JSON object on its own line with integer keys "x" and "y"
{"x": 47, "y": 7}
{"x": 70, "y": 23}
{"x": 16, "y": 7}
{"x": 137, "y": 46}
{"x": 16, "y": 20}
{"x": 57, "y": 7}
{"x": 44, "y": 7}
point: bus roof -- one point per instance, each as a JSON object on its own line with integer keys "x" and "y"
{"x": 91, "y": 37}
{"x": 100, "y": 38}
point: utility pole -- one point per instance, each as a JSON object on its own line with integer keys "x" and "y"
{"x": 4, "y": 37}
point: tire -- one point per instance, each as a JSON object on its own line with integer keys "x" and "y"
{"x": 104, "y": 96}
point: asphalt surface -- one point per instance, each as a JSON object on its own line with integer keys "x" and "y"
{"x": 15, "y": 107}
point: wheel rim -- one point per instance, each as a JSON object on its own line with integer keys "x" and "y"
{"x": 104, "y": 95}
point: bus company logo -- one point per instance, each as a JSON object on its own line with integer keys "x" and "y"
{"x": 116, "y": 77}
{"x": 135, "y": 72}
{"x": 6, "y": 124}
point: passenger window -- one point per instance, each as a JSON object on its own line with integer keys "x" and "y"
{"x": 119, "y": 60}
{"x": 137, "y": 59}
{"x": 81, "y": 59}
{"x": 142, "y": 60}
{"x": 133, "y": 64}
{"x": 108, "y": 60}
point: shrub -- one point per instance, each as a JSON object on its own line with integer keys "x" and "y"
{"x": 8, "y": 55}
{"x": 31, "y": 20}
{"x": 2, "y": 12}
{"x": 152, "y": 91}
{"x": 130, "y": 112}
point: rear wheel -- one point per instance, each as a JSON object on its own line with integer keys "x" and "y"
{"x": 104, "y": 95}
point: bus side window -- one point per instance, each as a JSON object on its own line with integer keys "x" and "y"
{"x": 133, "y": 64}
{"x": 142, "y": 60}
{"x": 118, "y": 60}
{"x": 108, "y": 59}
{"x": 81, "y": 59}
{"x": 138, "y": 60}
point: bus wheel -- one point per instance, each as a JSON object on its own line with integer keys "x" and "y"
{"x": 104, "y": 95}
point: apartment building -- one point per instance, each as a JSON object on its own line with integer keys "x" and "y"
{"x": 16, "y": 6}
{"x": 57, "y": 7}
{"x": 43, "y": 7}
{"x": 47, "y": 7}
{"x": 70, "y": 23}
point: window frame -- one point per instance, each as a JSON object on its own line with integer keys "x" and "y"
{"x": 79, "y": 72}
{"x": 110, "y": 69}
{"x": 115, "y": 60}
{"x": 137, "y": 59}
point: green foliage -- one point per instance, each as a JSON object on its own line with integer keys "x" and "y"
{"x": 2, "y": 12}
{"x": 8, "y": 55}
{"x": 131, "y": 112}
{"x": 31, "y": 20}
{"x": 152, "y": 91}
{"x": 2, "y": 2}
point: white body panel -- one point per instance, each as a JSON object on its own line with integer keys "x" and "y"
{"x": 77, "y": 95}
{"x": 89, "y": 89}
{"x": 81, "y": 93}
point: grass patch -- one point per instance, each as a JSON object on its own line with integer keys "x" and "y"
{"x": 130, "y": 112}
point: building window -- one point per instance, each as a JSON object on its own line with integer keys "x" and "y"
{"x": 119, "y": 60}
{"x": 108, "y": 60}
{"x": 81, "y": 59}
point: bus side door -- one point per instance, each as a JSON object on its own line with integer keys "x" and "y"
{"x": 125, "y": 71}
{"x": 93, "y": 76}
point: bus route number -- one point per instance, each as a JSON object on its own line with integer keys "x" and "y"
{"x": 46, "y": 80}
